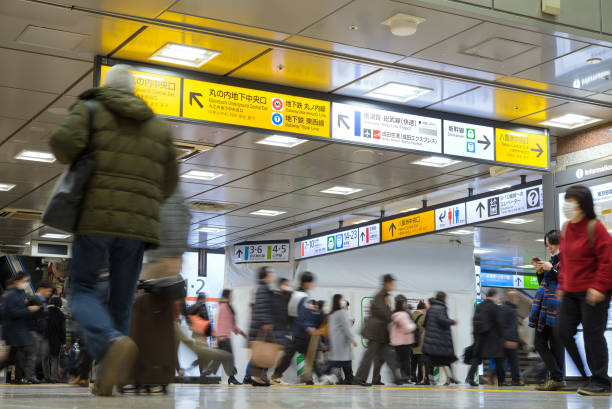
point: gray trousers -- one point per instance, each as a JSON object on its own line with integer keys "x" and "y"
{"x": 36, "y": 353}
{"x": 377, "y": 351}
{"x": 205, "y": 354}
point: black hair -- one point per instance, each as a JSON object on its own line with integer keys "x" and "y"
{"x": 202, "y": 297}
{"x": 583, "y": 196}
{"x": 56, "y": 301}
{"x": 347, "y": 303}
{"x": 336, "y": 302}
{"x": 552, "y": 237}
{"x": 399, "y": 303}
{"x": 306, "y": 277}
{"x": 263, "y": 272}
{"x": 492, "y": 293}
{"x": 226, "y": 293}
{"x": 441, "y": 296}
{"x": 45, "y": 284}
{"x": 321, "y": 304}
{"x": 421, "y": 305}
{"x": 282, "y": 281}
{"x": 20, "y": 276}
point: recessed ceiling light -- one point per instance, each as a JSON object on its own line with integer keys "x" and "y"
{"x": 201, "y": 175}
{"x": 55, "y": 236}
{"x": 27, "y": 243}
{"x": 436, "y": 162}
{"x": 396, "y": 92}
{"x": 353, "y": 27}
{"x": 410, "y": 209}
{"x": 462, "y": 232}
{"x": 5, "y": 187}
{"x": 502, "y": 187}
{"x": 282, "y": 141}
{"x": 540, "y": 240}
{"x": 35, "y": 156}
{"x": 208, "y": 229}
{"x": 184, "y": 55}
{"x": 482, "y": 251}
{"x": 341, "y": 190}
{"x": 594, "y": 60}
{"x": 360, "y": 221}
{"x": 267, "y": 213}
{"x": 525, "y": 266}
{"x": 518, "y": 221}
{"x": 570, "y": 121}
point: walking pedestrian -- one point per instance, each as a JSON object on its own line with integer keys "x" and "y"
{"x": 225, "y": 326}
{"x": 341, "y": 339}
{"x": 509, "y": 317}
{"x": 262, "y": 321}
{"x": 38, "y": 352}
{"x": 401, "y": 331}
{"x": 418, "y": 362}
{"x": 57, "y": 335}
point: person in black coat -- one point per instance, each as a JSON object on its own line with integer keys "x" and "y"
{"x": 488, "y": 337}
{"x": 262, "y": 321}
{"x": 511, "y": 337}
{"x": 15, "y": 323}
{"x": 282, "y": 323}
{"x": 56, "y": 329}
{"x": 438, "y": 346}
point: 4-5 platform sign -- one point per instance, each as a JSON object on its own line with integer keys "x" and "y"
{"x": 261, "y": 252}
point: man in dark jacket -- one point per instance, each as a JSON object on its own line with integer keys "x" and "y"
{"x": 15, "y": 323}
{"x": 488, "y": 337}
{"x": 511, "y": 336}
{"x": 304, "y": 326}
{"x": 262, "y": 319}
{"x": 135, "y": 172}
{"x": 282, "y": 323}
{"x": 38, "y": 352}
{"x": 376, "y": 331}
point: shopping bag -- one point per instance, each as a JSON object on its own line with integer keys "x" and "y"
{"x": 265, "y": 352}
{"x": 311, "y": 354}
{"x": 199, "y": 325}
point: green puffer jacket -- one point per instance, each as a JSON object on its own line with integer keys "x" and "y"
{"x": 136, "y": 168}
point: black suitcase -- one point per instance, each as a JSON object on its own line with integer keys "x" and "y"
{"x": 152, "y": 329}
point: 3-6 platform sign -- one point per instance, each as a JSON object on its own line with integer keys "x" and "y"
{"x": 261, "y": 252}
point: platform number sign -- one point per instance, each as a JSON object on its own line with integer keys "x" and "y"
{"x": 533, "y": 198}
{"x": 253, "y": 252}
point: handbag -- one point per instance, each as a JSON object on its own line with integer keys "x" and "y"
{"x": 199, "y": 325}
{"x": 64, "y": 207}
{"x": 265, "y": 354}
{"x": 168, "y": 288}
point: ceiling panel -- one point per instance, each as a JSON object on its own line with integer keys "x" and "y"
{"x": 37, "y": 72}
{"x": 372, "y": 34}
{"x": 227, "y": 174}
{"x": 385, "y": 176}
{"x": 36, "y": 133}
{"x": 312, "y": 166}
{"x": 149, "y": 8}
{"x": 343, "y": 181}
{"x": 344, "y": 49}
{"x": 32, "y": 172}
{"x": 239, "y": 158}
{"x": 573, "y": 70}
{"x": 274, "y": 182}
{"x": 532, "y": 49}
{"x": 575, "y": 92}
{"x": 295, "y": 69}
{"x": 8, "y": 126}
{"x": 22, "y": 104}
{"x": 235, "y": 195}
{"x": 450, "y": 68}
{"x": 249, "y": 140}
{"x": 287, "y": 16}
{"x": 188, "y": 189}
{"x": 202, "y": 134}
{"x": 37, "y": 200}
{"x": 305, "y": 202}
{"x": 236, "y": 221}
{"x": 58, "y": 112}
{"x": 354, "y": 153}
{"x": 438, "y": 88}
{"x": 233, "y": 52}
{"x": 82, "y": 86}
{"x": 500, "y": 104}
{"x": 471, "y": 170}
{"x": 10, "y": 149}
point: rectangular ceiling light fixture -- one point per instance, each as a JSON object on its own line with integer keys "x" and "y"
{"x": 282, "y": 141}
{"x": 462, "y": 232}
{"x": 360, "y": 221}
{"x": 5, "y": 187}
{"x": 267, "y": 213}
{"x": 201, "y": 175}
{"x": 570, "y": 121}
{"x": 186, "y": 55}
{"x": 55, "y": 236}
{"x": 208, "y": 229}
{"x": 436, "y": 162}
{"x": 35, "y": 156}
{"x": 518, "y": 221}
{"x": 396, "y": 92}
{"x": 410, "y": 209}
{"x": 341, "y": 190}
{"x": 540, "y": 240}
{"x": 502, "y": 187}
{"x": 482, "y": 251}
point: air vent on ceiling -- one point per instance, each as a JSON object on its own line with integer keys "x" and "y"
{"x": 50, "y": 38}
{"x": 210, "y": 206}
{"x": 20, "y": 214}
{"x": 499, "y": 49}
{"x": 185, "y": 150}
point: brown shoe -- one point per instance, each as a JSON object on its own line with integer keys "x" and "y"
{"x": 115, "y": 366}
{"x": 551, "y": 385}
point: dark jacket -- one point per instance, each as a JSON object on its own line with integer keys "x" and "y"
{"x": 307, "y": 319}
{"x": 57, "y": 330}
{"x": 263, "y": 309}
{"x": 438, "y": 337}
{"x": 136, "y": 168}
{"x": 39, "y": 319}
{"x": 15, "y": 318}
{"x": 509, "y": 316}
{"x": 488, "y": 331}
{"x": 376, "y": 325}
{"x": 282, "y": 323}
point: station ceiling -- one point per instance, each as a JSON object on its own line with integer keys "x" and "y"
{"x": 47, "y": 50}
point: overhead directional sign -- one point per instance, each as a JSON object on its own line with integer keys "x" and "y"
{"x": 468, "y": 140}
{"x": 261, "y": 252}
{"x": 505, "y": 204}
{"x": 450, "y": 216}
{"x": 407, "y": 226}
{"x": 213, "y": 102}
{"x": 386, "y": 128}
{"x": 509, "y": 281}
{"x": 521, "y": 148}
{"x": 369, "y": 235}
{"x": 341, "y": 240}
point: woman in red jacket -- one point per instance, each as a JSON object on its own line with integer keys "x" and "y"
{"x": 585, "y": 281}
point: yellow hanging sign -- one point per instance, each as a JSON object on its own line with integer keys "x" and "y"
{"x": 227, "y": 104}
{"x": 408, "y": 226}
{"x": 521, "y": 148}
{"x": 161, "y": 92}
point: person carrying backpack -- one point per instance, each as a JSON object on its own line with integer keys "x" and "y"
{"x": 585, "y": 281}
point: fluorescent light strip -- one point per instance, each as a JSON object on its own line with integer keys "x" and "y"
{"x": 518, "y": 221}
{"x": 341, "y": 190}
{"x": 436, "y": 162}
{"x": 35, "y": 156}
{"x": 207, "y": 229}
{"x": 5, "y": 187}
{"x": 55, "y": 236}
{"x": 540, "y": 240}
{"x": 181, "y": 54}
{"x": 482, "y": 251}
{"x": 201, "y": 175}
{"x": 281, "y": 141}
{"x": 502, "y": 187}
{"x": 462, "y": 232}
{"x": 267, "y": 213}
{"x": 570, "y": 121}
{"x": 410, "y": 209}
{"x": 360, "y": 221}
{"x": 394, "y": 91}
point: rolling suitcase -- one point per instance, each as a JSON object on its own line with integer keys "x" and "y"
{"x": 152, "y": 329}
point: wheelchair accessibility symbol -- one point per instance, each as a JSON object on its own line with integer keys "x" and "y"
{"x": 277, "y": 119}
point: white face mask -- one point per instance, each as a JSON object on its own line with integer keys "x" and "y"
{"x": 22, "y": 286}
{"x": 570, "y": 210}
{"x": 343, "y": 304}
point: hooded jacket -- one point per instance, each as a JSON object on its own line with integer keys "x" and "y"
{"x": 136, "y": 168}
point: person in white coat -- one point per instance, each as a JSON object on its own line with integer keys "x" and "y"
{"x": 341, "y": 338}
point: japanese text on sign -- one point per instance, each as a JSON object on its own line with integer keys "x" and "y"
{"x": 521, "y": 148}
{"x": 408, "y": 226}
{"x": 261, "y": 252}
